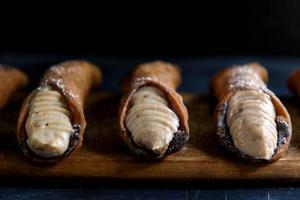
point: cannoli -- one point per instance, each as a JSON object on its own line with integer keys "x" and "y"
{"x": 51, "y": 121}
{"x": 294, "y": 82}
{"x": 251, "y": 121}
{"x": 152, "y": 117}
{"x": 12, "y": 80}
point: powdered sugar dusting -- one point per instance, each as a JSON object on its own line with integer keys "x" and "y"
{"x": 245, "y": 77}
{"x": 150, "y": 78}
{"x": 60, "y": 84}
{"x": 56, "y": 74}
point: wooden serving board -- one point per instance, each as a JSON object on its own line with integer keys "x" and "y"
{"x": 104, "y": 156}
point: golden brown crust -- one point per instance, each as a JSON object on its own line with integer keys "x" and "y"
{"x": 294, "y": 82}
{"x": 12, "y": 80}
{"x": 166, "y": 77}
{"x": 73, "y": 79}
{"x": 252, "y": 76}
{"x": 232, "y": 78}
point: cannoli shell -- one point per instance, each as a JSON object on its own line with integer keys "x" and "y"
{"x": 12, "y": 80}
{"x": 166, "y": 77}
{"x": 229, "y": 80}
{"x": 294, "y": 82}
{"x": 73, "y": 79}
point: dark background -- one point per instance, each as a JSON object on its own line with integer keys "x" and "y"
{"x": 206, "y": 28}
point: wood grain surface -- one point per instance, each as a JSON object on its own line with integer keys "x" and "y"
{"x": 104, "y": 156}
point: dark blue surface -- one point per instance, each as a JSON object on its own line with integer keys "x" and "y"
{"x": 171, "y": 194}
{"x": 196, "y": 73}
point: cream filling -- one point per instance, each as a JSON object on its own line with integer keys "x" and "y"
{"x": 251, "y": 120}
{"x": 48, "y": 125}
{"x": 151, "y": 122}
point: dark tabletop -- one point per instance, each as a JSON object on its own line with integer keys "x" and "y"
{"x": 196, "y": 73}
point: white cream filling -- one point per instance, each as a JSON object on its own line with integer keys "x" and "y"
{"x": 251, "y": 120}
{"x": 151, "y": 122}
{"x": 48, "y": 125}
